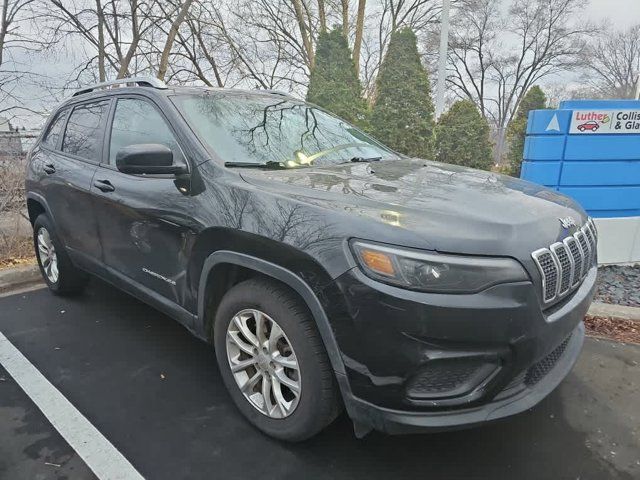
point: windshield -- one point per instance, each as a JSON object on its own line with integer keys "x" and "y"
{"x": 271, "y": 130}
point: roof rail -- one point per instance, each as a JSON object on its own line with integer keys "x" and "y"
{"x": 275, "y": 92}
{"x": 132, "y": 81}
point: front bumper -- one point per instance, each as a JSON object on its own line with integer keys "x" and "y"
{"x": 388, "y": 336}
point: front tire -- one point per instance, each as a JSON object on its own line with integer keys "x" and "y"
{"x": 60, "y": 275}
{"x": 273, "y": 361}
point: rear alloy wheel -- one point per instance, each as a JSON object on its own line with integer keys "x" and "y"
{"x": 61, "y": 276}
{"x": 263, "y": 363}
{"x": 273, "y": 361}
{"x": 47, "y": 254}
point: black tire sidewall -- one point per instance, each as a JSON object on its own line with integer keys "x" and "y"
{"x": 302, "y": 423}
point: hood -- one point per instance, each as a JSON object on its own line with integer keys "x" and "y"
{"x": 454, "y": 209}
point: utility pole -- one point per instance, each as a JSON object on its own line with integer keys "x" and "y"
{"x": 442, "y": 59}
{"x": 637, "y": 97}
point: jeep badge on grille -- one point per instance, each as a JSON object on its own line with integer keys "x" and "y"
{"x": 567, "y": 222}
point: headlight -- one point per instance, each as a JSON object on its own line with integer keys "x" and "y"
{"x": 435, "y": 272}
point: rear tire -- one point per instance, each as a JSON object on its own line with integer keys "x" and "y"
{"x": 275, "y": 306}
{"x": 60, "y": 275}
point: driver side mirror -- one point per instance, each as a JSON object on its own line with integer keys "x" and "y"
{"x": 148, "y": 158}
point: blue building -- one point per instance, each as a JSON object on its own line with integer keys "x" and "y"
{"x": 590, "y": 150}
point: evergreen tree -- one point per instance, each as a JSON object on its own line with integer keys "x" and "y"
{"x": 402, "y": 116}
{"x": 462, "y": 137}
{"x": 334, "y": 84}
{"x": 534, "y": 99}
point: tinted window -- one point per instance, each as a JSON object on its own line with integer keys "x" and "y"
{"x": 136, "y": 122}
{"x": 83, "y": 136}
{"x": 50, "y": 138}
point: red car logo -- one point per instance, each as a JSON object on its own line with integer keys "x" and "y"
{"x": 592, "y": 126}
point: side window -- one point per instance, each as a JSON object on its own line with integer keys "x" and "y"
{"x": 50, "y": 138}
{"x": 83, "y": 136}
{"x": 137, "y": 121}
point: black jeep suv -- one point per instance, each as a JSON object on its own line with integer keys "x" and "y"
{"x": 327, "y": 270}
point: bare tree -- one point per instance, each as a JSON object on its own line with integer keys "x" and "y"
{"x": 543, "y": 37}
{"x": 19, "y": 21}
{"x": 613, "y": 62}
{"x": 173, "y": 31}
{"x": 301, "y": 18}
{"x": 322, "y": 15}
{"x": 384, "y": 17}
{"x": 13, "y": 14}
{"x": 357, "y": 43}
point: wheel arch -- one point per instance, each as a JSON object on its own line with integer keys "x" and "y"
{"x": 37, "y": 205}
{"x": 225, "y": 259}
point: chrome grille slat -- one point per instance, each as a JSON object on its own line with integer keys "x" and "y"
{"x": 586, "y": 250}
{"x": 592, "y": 241}
{"x": 564, "y": 264}
{"x": 577, "y": 256}
{"x": 549, "y": 269}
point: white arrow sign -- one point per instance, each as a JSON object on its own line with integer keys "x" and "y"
{"x": 554, "y": 125}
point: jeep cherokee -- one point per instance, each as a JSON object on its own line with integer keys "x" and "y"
{"x": 327, "y": 270}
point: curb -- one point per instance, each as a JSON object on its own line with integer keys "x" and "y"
{"x": 608, "y": 310}
{"x": 13, "y": 278}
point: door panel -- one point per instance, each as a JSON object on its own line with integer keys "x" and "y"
{"x": 144, "y": 221}
{"x": 67, "y": 176}
{"x": 68, "y": 192}
{"x": 144, "y": 227}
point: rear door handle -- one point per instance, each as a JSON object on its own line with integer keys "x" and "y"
{"x": 104, "y": 185}
{"x": 49, "y": 168}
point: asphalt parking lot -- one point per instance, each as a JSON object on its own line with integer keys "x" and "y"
{"x": 154, "y": 392}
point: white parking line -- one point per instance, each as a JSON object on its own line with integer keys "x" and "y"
{"x": 96, "y": 451}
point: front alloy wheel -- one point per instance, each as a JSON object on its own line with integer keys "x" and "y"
{"x": 273, "y": 361}
{"x": 263, "y": 363}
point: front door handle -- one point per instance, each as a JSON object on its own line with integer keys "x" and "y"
{"x": 49, "y": 168}
{"x": 104, "y": 185}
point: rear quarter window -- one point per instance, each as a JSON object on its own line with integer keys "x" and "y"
{"x": 84, "y": 133}
{"x": 53, "y": 133}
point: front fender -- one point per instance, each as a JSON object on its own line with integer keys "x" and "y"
{"x": 285, "y": 276}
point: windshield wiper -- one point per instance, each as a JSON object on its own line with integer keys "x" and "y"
{"x": 267, "y": 165}
{"x": 365, "y": 159}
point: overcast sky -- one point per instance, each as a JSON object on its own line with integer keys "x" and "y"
{"x": 620, "y": 12}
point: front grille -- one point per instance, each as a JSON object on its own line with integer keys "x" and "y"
{"x": 565, "y": 264}
{"x": 538, "y": 370}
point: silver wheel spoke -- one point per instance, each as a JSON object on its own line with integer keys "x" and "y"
{"x": 241, "y": 323}
{"x": 242, "y": 364}
{"x": 241, "y": 344}
{"x": 277, "y": 393}
{"x": 266, "y": 395}
{"x": 275, "y": 334}
{"x": 261, "y": 329}
{"x": 247, "y": 387}
{"x": 287, "y": 362}
{"x": 282, "y": 377}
